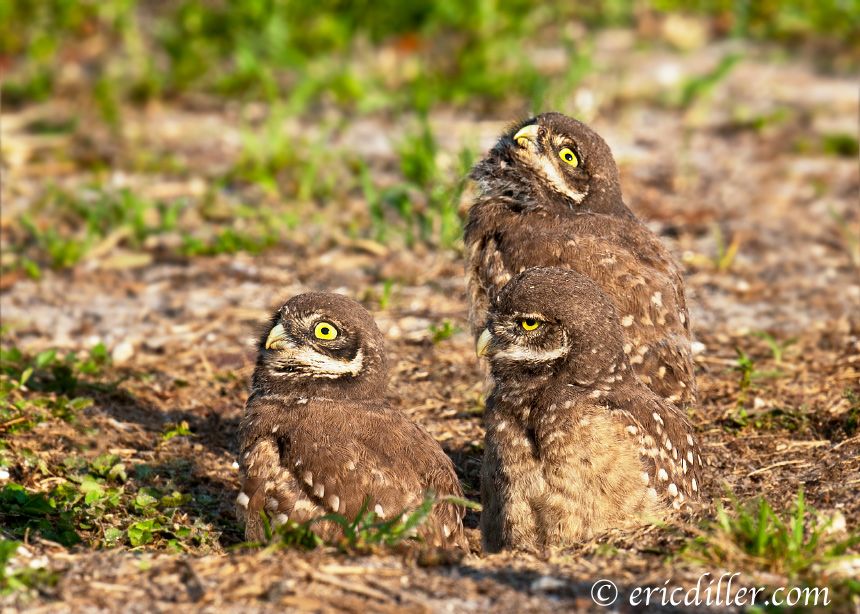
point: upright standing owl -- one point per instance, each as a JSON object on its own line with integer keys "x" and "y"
{"x": 576, "y": 444}
{"x": 318, "y": 436}
{"x": 550, "y": 196}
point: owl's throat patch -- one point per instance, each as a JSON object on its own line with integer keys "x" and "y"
{"x": 307, "y": 362}
{"x": 519, "y": 353}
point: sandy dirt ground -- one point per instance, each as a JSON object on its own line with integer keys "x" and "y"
{"x": 181, "y": 332}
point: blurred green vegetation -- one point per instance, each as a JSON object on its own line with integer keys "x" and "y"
{"x": 445, "y": 50}
{"x": 306, "y": 60}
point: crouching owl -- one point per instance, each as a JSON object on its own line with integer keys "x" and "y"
{"x": 575, "y": 443}
{"x": 318, "y": 437}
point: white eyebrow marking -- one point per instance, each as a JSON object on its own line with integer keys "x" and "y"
{"x": 545, "y": 165}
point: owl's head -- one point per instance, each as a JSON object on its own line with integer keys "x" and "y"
{"x": 318, "y": 344}
{"x": 553, "y": 160}
{"x": 549, "y": 322}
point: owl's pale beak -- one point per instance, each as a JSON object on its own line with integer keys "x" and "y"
{"x": 483, "y": 343}
{"x": 277, "y": 339}
{"x": 526, "y": 134}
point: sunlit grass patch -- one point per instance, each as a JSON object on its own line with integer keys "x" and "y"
{"x": 37, "y": 388}
{"x": 365, "y": 532}
{"x": 67, "y": 228}
{"x": 798, "y": 544}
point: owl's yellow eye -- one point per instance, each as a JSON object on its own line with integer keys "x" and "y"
{"x": 529, "y": 323}
{"x": 325, "y": 331}
{"x": 568, "y": 156}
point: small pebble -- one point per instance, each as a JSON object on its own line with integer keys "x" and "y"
{"x": 122, "y": 352}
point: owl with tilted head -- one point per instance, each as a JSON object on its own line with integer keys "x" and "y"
{"x": 318, "y": 436}
{"x": 549, "y": 195}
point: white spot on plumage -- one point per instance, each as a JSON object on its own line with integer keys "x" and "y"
{"x": 308, "y": 478}
{"x": 662, "y": 475}
{"x": 627, "y": 321}
{"x": 334, "y": 502}
{"x": 377, "y": 509}
{"x": 645, "y": 477}
{"x": 657, "y": 418}
{"x": 673, "y": 490}
{"x": 319, "y": 489}
{"x": 272, "y": 504}
{"x": 632, "y": 430}
{"x": 281, "y": 519}
{"x": 690, "y": 440}
{"x": 242, "y": 500}
{"x": 694, "y": 485}
{"x": 303, "y": 504}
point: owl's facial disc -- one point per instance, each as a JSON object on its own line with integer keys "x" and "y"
{"x": 312, "y": 346}
{"x": 523, "y": 338}
{"x": 555, "y": 158}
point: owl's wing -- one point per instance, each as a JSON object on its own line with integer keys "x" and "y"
{"x": 341, "y": 457}
{"x": 668, "y": 449}
{"x": 487, "y": 272}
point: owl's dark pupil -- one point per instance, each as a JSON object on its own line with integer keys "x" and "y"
{"x": 324, "y": 330}
{"x": 530, "y": 322}
{"x": 568, "y": 157}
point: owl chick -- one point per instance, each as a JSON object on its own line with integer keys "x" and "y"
{"x": 318, "y": 437}
{"x": 575, "y": 444}
{"x": 550, "y": 196}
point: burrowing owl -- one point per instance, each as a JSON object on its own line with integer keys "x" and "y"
{"x": 318, "y": 436}
{"x": 550, "y": 196}
{"x": 576, "y": 443}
